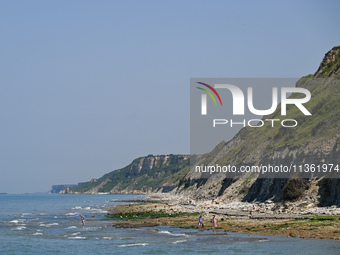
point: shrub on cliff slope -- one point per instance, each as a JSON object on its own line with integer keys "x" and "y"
{"x": 295, "y": 188}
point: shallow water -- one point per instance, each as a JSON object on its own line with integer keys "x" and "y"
{"x": 51, "y": 224}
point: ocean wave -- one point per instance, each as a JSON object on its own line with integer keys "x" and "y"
{"x": 75, "y": 234}
{"x": 71, "y": 227}
{"x": 19, "y": 228}
{"x": 17, "y": 221}
{"x": 92, "y": 228}
{"x": 179, "y": 241}
{"x": 76, "y": 207}
{"x": 48, "y": 225}
{"x": 37, "y": 234}
{"x": 72, "y": 214}
{"x": 133, "y": 244}
{"x": 107, "y": 238}
{"x": 94, "y": 210}
{"x": 172, "y": 234}
{"x": 77, "y": 237}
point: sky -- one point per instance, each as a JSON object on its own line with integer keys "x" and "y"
{"x": 88, "y": 86}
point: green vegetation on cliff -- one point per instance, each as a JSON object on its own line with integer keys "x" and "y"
{"x": 324, "y": 123}
{"x": 143, "y": 174}
{"x": 314, "y": 141}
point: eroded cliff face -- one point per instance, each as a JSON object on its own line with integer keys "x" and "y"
{"x": 145, "y": 164}
{"x": 144, "y": 175}
{"x": 315, "y": 140}
{"x": 330, "y": 65}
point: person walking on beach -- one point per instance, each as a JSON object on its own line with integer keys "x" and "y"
{"x": 83, "y": 220}
{"x": 200, "y": 223}
{"x": 214, "y": 222}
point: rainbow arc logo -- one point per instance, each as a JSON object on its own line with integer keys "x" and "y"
{"x": 204, "y": 97}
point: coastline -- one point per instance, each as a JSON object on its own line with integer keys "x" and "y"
{"x": 169, "y": 210}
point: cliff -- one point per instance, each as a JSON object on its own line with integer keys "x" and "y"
{"x": 144, "y": 175}
{"x": 316, "y": 140}
{"x": 56, "y": 189}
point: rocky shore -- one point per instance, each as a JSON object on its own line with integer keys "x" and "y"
{"x": 268, "y": 218}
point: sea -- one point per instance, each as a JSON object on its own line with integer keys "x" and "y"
{"x": 51, "y": 224}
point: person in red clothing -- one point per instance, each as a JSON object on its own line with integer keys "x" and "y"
{"x": 214, "y": 222}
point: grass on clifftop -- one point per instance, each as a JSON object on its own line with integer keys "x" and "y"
{"x": 174, "y": 169}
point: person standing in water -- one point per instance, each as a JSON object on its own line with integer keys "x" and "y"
{"x": 83, "y": 220}
{"x": 200, "y": 223}
{"x": 214, "y": 222}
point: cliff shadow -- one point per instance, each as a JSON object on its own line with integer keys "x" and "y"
{"x": 266, "y": 188}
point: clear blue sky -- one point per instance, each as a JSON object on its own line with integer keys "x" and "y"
{"x": 88, "y": 86}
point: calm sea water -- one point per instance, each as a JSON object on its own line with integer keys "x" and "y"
{"x": 50, "y": 224}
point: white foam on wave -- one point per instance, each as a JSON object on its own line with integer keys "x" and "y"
{"x": 37, "y": 234}
{"x": 72, "y": 214}
{"x": 19, "y": 228}
{"x": 102, "y": 211}
{"x": 71, "y": 227}
{"x": 264, "y": 240}
{"x": 76, "y": 207}
{"x": 77, "y": 237}
{"x": 179, "y": 241}
{"x": 75, "y": 234}
{"x": 52, "y": 224}
{"x": 107, "y": 238}
{"x": 92, "y": 228}
{"x": 94, "y": 210}
{"x": 48, "y": 225}
{"x": 133, "y": 244}
{"x": 17, "y": 221}
{"x": 26, "y": 214}
{"x": 172, "y": 234}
